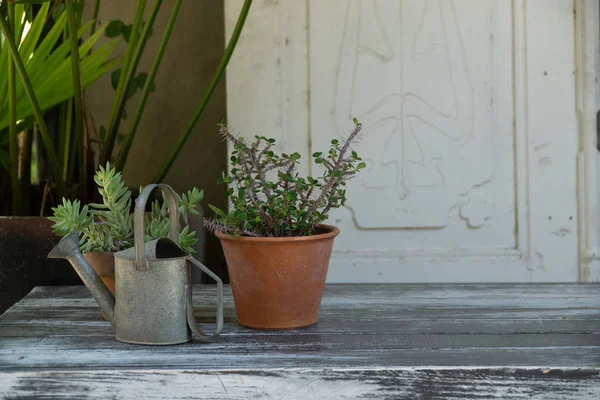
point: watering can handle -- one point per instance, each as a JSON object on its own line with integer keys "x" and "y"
{"x": 138, "y": 220}
{"x": 189, "y": 305}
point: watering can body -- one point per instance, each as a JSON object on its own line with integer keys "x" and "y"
{"x": 153, "y": 296}
{"x": 151, "y": 303}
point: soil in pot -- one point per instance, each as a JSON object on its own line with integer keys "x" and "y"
{"x": 278, "y": 283}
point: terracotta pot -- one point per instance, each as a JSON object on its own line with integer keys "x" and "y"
{"x": 278, "y": 283}
{"x": 103, "y": 262}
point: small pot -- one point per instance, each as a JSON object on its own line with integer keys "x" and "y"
{"x": 278, "y": 282}
{"x": 103, "y": 262}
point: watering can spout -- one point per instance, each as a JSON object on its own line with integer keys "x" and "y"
{"x": 68, "y": 248}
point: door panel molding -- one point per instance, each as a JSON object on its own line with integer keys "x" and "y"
{"x": 525, "y": 228}
{"x": 587, "y": 55}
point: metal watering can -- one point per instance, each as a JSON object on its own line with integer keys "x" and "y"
{"x": 153, "y": 302}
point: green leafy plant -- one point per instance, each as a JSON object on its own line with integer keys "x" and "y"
{"x": 36, "y": 73}
{"x": 268, "y": 196}
{"x": 109, "y": 226}
{"x": 55, "y": 109}
{"x": 127, "y": 80}
{"x": 48, "y": 63}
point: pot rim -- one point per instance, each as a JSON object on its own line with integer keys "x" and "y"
{"x": 331, "y": 232}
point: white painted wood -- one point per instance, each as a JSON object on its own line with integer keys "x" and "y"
{"x": 267, "y": 75}
{"x": 471, "y": 129}
{"x": 374, "y": 341}
{"x": 333, "y": 384}
{"x": 587, "y": 46}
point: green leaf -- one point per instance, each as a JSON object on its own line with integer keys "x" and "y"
{"x": 49, "y": 67}
{"x": 140, "y": 81}
{"x": 102, "y": 132}
{"x": 361, "y": 165}
{"x": 114, "y": 28}
{"x": 58, "y": 10}
{"x": 114, "y": 78}
{"x": 334, "y": 141}
{"x": 127, "y": 32}
{"x": 217, "y": 211}
{"x": 295, "y": 156}
{"x": 317, "y": 154}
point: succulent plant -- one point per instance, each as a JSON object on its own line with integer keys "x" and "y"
{"x": 109, "y": 226}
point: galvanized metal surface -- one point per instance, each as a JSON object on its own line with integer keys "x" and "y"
{"x": 138, "y": 221}
{"x": 68, "y": 248}
{"x": 190, "y": 305}
{"x": 151, "y": 280}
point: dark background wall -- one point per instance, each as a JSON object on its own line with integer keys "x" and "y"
{"x": 191, "y": 58}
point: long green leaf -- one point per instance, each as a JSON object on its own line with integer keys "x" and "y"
{"x": 51, "y": 75}
{"x": 95, "y": 15}
{"x": 129, "y": 71}
{"x": 76, "y": 79}
{"x": 47, "y": 140}
{"x": 12, "y": 126}
{"x": 209, "y": 92}
{"x": 19, "y": 10}
{"x": 147, "y": 88}
{"x": 35, "y": 31}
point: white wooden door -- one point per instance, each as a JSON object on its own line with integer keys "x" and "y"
{"x": 471, "y": 130}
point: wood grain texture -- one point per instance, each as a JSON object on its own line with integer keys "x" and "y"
{"x": 461, "y": 384}
{"x": 372, "y": 341}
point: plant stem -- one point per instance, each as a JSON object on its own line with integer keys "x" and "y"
{"x": 61, "y": 111}
{"x": 131, "y": 44}
{"x": 80, "y": 13}
{"x": 68, "y": 118}
{"x": 95, "y": 14}
{"x": 127, "y": 74}
{"x": 12, "y": 123}
{"x": 25, "y": 168}
{"x": 209, "y": 92}
{"x": 147, "y": 87}
{"x": 72, "y": 160}
{"x": 39, "y": 116}
{"x": 76, "y": 74}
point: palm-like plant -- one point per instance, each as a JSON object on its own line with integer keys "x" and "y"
{"x": 48, "y": 65}
{"x": 39, "y": 71}
{"x": 36, "y": 74}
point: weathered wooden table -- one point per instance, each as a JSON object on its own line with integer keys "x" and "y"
{"x": 372, "y": 341}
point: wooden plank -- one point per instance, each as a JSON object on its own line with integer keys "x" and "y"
{"x": 105, "y": 354}
{"x": 372, "y": 341}
{"x": 360, "y": 326}
{"x": 506, "y": 383}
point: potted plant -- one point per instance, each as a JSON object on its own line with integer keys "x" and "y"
{"x": 276, "y": 245}
{"x": 35, "y": 75}
{"x": 108, "y": 227}
{"x": 49, "y": 144}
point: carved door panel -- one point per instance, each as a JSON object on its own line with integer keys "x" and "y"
{"x": 464, "y": 133}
